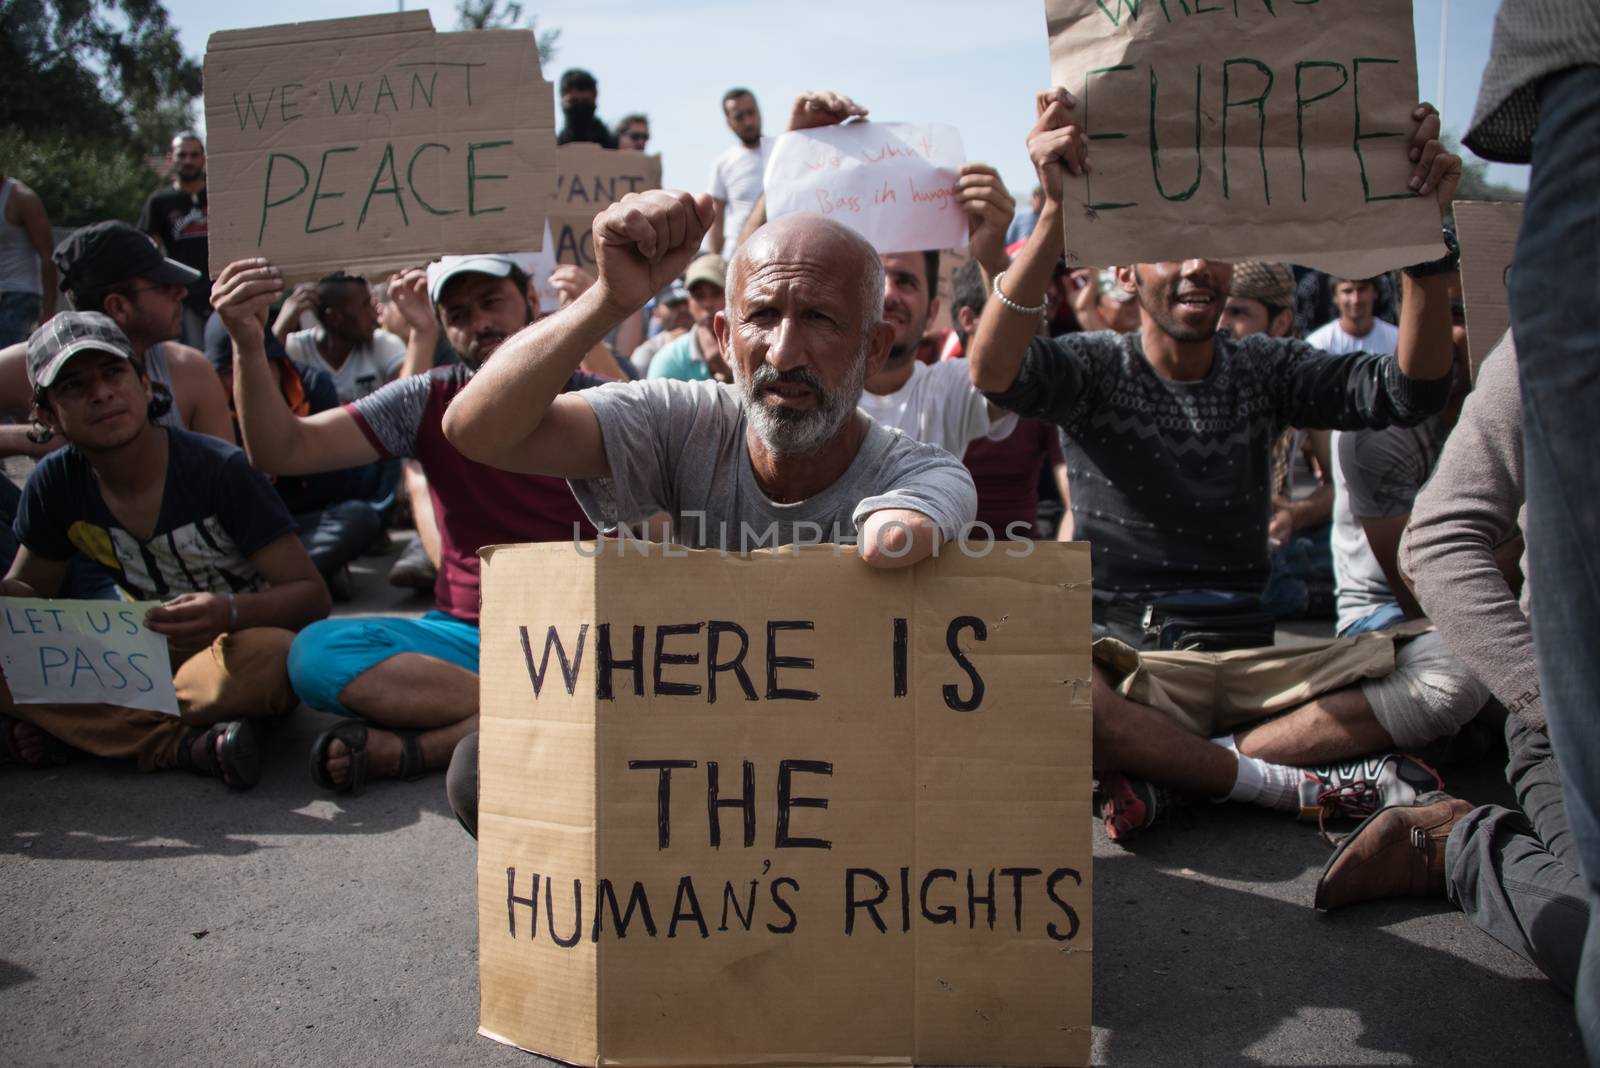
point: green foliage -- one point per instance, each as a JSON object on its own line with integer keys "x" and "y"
{"x": 507, "y": 15}
{"x": 113, "y": 69}
{"x": 80, "y": 181}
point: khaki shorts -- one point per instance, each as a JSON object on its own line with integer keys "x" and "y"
{"x": 1215, "y": 693}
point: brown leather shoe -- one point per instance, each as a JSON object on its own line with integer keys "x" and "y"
{"x": 1396, "y": 852}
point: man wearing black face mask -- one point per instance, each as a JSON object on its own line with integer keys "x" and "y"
{"x": 579, "y": 91}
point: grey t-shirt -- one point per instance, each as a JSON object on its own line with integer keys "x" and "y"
{"x": 679, "y": 447}
{"x": 1376, "y": 475}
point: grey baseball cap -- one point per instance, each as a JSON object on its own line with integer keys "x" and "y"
{"x": 68, "y": 334}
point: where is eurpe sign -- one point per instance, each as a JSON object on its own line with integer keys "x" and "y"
{"x": 375, "y": 143}
{"x": 785, "y": 808}
{"x": 1243, "y": 129}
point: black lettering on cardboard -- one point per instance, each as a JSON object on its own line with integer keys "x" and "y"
{"x": 609, "y": 663}
{"x": 674, "y": 689}
{"x": 905, "y": 899}
{"x": 1071, "y": 913}
{"x": 714, "y": 632}
{"x": 663, "y": 794}
{"x": 974, "y": 899}
{"x": 512, "y": 901}
{"x": 902, "y": 646}
{"x": 577, "y": 913}
{"x": 744, "y": 915}
{"x": 778, "y": 900}
{"x": 775, "y": 662}
{"x": 945, "y": 913}
{"x": 1016, "y": 875}
{"x": 786, "y": 801}
{"x": 569, "y": 669}
{"x": 952, "y": 694}
{"x": 620, "y": 920}
{"x": 747, "y": 802}
{"x": 852, "y": 903}
{"x": 686, "y": 893}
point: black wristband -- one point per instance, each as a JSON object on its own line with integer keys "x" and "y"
{"x": 1450, "y": 261}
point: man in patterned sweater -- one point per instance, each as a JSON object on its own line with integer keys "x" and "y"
{"x": 1168, "y": 435}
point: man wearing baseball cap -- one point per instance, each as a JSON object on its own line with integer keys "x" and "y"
{"x": 407, "y": 687}
{"x": 672, "y": 319}
{"x": 177, "y": 517}
{"x": 111, "y": 268}
{"x": 696, "y": 355}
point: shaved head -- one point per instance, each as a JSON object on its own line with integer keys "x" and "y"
{"x": 812, "y": 238}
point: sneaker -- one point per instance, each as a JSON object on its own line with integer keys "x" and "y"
{"x": 413, "y": 570}
{"x": 1129, "y": 805}
{"x": 1358, "y": 788}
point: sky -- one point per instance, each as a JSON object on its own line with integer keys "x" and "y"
{"x": 975, "y": 66}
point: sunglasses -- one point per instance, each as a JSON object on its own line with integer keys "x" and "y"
{"x": 635, "y": 135}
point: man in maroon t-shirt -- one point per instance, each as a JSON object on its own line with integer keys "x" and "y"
{"x": 408, "y": 686}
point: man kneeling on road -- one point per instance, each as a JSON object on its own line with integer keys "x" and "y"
{"x": 407, "y": 687}
{"x": 782, "y": 448}
{"x": 1168, "y": 443}
{"x": 173, "y": 515}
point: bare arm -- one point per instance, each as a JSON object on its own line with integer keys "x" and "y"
{"x": 1383, "y": 536}
{"x": 16, "y": 396}
{"x": 202, "y": 402}
{"x": 296, "y": 596}
{"x": 32, "y": 575}
{"x": 513, "y": 414}
{"x": 1424, "y": 350}
{"x": 36, "y": 223}
{"x": 897, "y": 537}
{"x": 278, "y": 441}
{"x": 409, "y": 292}
{"x": 571, "y": 282}
{"x": 1058, "y": 148}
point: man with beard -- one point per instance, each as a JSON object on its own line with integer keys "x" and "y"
{"x": 579, "y": 94}
{"x": 1168, "y": 442}
{"x": 176, "y": 218}
{"x": 781, "y": 450}
{"x": 408, "y": 688}
{"x": 736, "y": 175}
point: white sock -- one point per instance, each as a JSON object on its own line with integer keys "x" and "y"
{"x": 1273, "y": 786}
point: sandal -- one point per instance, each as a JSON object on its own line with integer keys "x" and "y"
{"x": 56, "y": 752}
{"x": 353, "y": 734}
{"x": 236, "y": 761}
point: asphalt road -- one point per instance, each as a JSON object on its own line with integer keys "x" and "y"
{"x": 160, "y": 920}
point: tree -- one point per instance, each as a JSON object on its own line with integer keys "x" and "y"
{"x": 507, "y": 15}
{"x": 88, "y": 89}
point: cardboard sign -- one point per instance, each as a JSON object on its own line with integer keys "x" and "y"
{"x": 1487, "y": 233}
{"x": 65, "y": 652}
{"x": 1256, "y": 129}
{"x": 588, "y": 180}
{"x": 374, "y": 143}
{"x": 893, "y": 183}
{"x": 786, "y": 808}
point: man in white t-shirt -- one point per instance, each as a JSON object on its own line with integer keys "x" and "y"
{"x": 1356, "y": 329}
{"x": 934, "y": 403}
{"x": 736, "y": 174}
{"x": 346, "y": 343}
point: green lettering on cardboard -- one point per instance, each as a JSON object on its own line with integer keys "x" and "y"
{"x": 441, "y": 63}
{"x": 1198, "y": 10}
{"x": 1116, "y": 15}
{"x": 1266, "y": 3}
{"x": 1261, "y": 113}
{"x": 1088, "y": 194}
{"x": 317, "y": 193}
{"x": 344, "y": 94}
{"x": 392, "y": 189}
{"x": 1155, "y": 148}
{"x": 427, "y": 94}
{"x": 1301, "y": 102}
{"x": 412, "y": 185}
{"x": 267, "y": 203}
{"x": 249, "y": 113}
{"x": 1355, "y": 77}
{"x": 473, "y": 177}
{"x": 384, "y": 90}
{"x": 283, "y": 102}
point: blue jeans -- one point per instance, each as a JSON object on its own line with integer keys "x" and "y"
{"x": 1378, "y": 619}
{"x": 336, "y": 535}
{"x": 19, "y": 312}
{"x": 328, "y": 655}
{"x": 1554, "y": 290}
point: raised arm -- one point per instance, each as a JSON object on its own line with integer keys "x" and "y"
{"x": 1423, "y": 349}
{"x": 513, "y": 414}
{"x": 1058, "y": 148}
{"x": 278, "y": 441}
{"x": 409, "y": 292}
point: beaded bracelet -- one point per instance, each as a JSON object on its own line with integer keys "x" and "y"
{"x": 1020, "y": 309}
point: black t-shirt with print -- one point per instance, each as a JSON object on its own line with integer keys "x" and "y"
{"x": 216, "y": 510}
{"x": 179, "y": 221}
